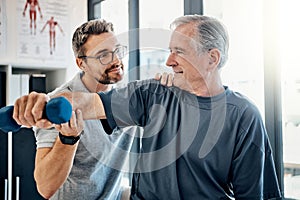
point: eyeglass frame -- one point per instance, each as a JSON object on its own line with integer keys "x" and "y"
{"x": 113, "y": 53}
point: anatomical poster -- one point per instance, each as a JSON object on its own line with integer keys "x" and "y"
{"x": 42, "y": 27}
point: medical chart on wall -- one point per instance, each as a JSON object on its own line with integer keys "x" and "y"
{"x": 42, "y": 26}
{"x": 2, "y": 28}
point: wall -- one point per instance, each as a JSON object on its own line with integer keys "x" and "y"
{"x": 77, "y": 14}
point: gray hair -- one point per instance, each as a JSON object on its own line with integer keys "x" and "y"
{"x": 211, "y": 34}
{"x": 82, "y": 33}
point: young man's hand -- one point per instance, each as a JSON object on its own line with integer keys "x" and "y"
{"x": 74, "y": 127}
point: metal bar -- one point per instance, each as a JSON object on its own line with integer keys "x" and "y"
{"x": 9, "y": 174}
{"x": 272, "y": 85}
{"x": 5, "y": 189}
{"x": 17, "y": 187}
{"x": 134, "y": 40}
{"x": 192, "y": 7}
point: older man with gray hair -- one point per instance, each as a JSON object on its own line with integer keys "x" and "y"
{"x": 201, "y": 140}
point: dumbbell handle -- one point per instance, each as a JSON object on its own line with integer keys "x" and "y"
{"x": 58, "y": 110}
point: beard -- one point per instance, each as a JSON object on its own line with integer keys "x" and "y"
{"x": 106, "y": 78}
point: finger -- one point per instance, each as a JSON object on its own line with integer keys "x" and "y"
{"x": 39, "y": 106}
{"x": 57, "y": 126}
{"x": 80, "y": 122}
{"x": 170, "y": 80}
{"x": 20, "y": 110}
{"x": 65, "y": 127}
{"x": 73, "y": 123}
{"x": 157, "y": 76}
{"x": 164, "y": 79}
{"x": 28, "y": 115}
{"x": 16, "y": 112}
{"x": 44, "y": 123}
{"x": 69, "y": 128}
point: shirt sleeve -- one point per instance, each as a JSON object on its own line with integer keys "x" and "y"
{"x": 106, "y": 100}
{"x": 253, "y": 169}
{"x": 45, "y": 137}
{"x": 129, "y": 106}
{"x": 124, "y": 106}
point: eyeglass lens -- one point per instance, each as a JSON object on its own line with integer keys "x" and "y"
{"x": 108, "y": 57}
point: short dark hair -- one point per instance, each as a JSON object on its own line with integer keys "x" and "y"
{"x": 82, "y": 33}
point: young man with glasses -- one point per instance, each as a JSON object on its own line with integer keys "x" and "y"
{"x": 76, "y": 164}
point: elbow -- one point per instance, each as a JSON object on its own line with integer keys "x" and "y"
{"x": 43, "y": 188}
{"x": 45, "y": 196}
{"x": 45, "y": 192}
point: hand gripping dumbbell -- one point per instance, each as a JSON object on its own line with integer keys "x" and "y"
{"x": 58, "y": 110}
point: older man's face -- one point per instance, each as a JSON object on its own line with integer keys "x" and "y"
{"x": 188, "y": 64}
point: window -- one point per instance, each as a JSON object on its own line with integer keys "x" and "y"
{"x": 117, "y": 12}
{"x": 244, "y": 70}
{"x": 154, "y": 29}
{"x": 94, "y": 10}
{"x": 289, "y": 43}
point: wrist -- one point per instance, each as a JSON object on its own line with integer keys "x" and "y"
{"x": 68, "y": 140}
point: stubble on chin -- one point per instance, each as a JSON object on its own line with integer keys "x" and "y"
{"x": 106, "y": 79}
{"x": 180, "y": 82}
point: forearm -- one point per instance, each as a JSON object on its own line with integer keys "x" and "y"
{"x": 53, "y": 167}
{"x": 28, "y": 109}
{"x": 89, "y": 103}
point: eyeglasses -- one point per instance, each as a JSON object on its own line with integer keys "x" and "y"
{"x": 107, "y": 57}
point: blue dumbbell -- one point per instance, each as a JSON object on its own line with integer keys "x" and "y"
{"x": 58, "y": 110}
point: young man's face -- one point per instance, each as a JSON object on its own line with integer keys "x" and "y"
{"x": 107, "y": 69}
